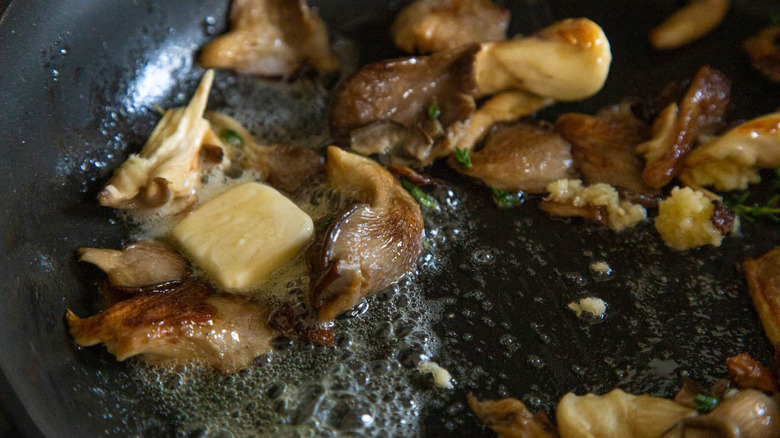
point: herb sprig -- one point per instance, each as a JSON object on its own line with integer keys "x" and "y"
{"x": 434, "y": 111}
{"x": 770, "y": 209}
{"x": 231, "y": 137}
{"x": 463, "y": 157}
{"x": 505, "y": 199}
{"x": 423, "y": 198}
{"x": 706, "y": 403}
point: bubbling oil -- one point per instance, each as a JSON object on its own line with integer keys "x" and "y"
{"x": 365, "y": 385}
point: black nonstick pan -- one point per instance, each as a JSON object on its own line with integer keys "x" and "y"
{"x": 78, "y": 81}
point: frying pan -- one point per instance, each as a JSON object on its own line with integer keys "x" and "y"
{"x": 77, "y": 80}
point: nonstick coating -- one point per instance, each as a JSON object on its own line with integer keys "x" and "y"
{"x": 66, "y": 66}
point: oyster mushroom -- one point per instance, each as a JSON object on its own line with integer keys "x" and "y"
{"x": 747, "y": 372}
{"x": 748, "y": 413}
{"x": 509, "y": 418}
{"x": 701, "y": 111}
{"x": 189, "y": 323}
{"x": 763, "y": 279}
{"x": 731, "y": 161}
{"x": 521, "y": 157}
{"x": 503, "y": 107}
{"x": 369, "y": 245}
{"x": 617, "y": 414}
{"x": 143, "y": 263}
{"x": 566, "y": 61}
{"x": 166, "y": 172}
{"x": 434, "y": 25}
{"x": 271, "y": 38}
{"x": 406, "y": 107}
{"x": 764, "y": 52}
{"x": 603, "y": 148}
{"x": 688, "y": 24}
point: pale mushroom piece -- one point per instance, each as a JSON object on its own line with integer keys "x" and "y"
{"x": 510, "y": 418}
{"x": 143, "y": 263}
{"x": 617, "y": 414}
{"x": 412, "y": 109}
{"x": 764, "y": 52}
{"x": 271, "y": 38}
{"x": 747, "y": 413}
{"x": 763, "y": 279}
{"x": 503, "y": 107}
{"x": 434, "y": 25}
{"x": 697, "y": 19}
{"x": 166, "y": 172}
{"x": 566, "y": 61}
{"x": 369, "y": 245}
{"x": 732, "y": 160}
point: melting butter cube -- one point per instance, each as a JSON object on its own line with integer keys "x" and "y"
{"x": 243, "y": 235}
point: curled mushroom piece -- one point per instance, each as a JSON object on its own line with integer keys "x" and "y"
{"x": 566, "y": 61}
{"x": 503, "y": 107}
{"x": 617, "y": 414}
{"x": 188, "y": 324}
{"x": 764, "y": 52}
{"x": 747, "y": 372}
{"x": 603, "y": 149}
{"x": 701, "y": 111}
{"x": 509, "y": 418}
{"x": 763, "y": 279}
{"x": 688, "y": 24}
{"x": 434, "y": 25}
{"x": 407, "y": 107}
{"x": 271, "y": 38}
{"x": 731, "y": 161}
{"x": 748, "y": 413}
{"x": 521, "y": 157}
{"x": 369, "y": 245}
{"x": 141, "y": 264}
{"x": 166, "y": 172}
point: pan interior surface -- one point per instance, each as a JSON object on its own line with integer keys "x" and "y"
{"x": 489, "y": 300}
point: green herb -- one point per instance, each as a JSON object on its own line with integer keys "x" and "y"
{"x": 158, "y": 109}
{"x": 231, "y": 137}
{"x": 705, "y": 403}
{"x": 504, "y": 199}
{"x": 463, "y": 157}
{"x": 328, "y": 222}
{"x": 750, "y": 212}
{"x": 426, "y": 243}
{"x": 423, "y": 198}
{"x": 434, "y": 111}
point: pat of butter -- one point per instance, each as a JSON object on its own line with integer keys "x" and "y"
{"x": 243, "y": 235}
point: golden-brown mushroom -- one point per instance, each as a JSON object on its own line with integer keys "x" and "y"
{"x": 434, "y": 25}
{"x": 748, "y": 413}
{"x": 566, "y": 61}
{"x": 688, "y": 24}
{"x": 271, "y": 38}
{"x": 187, "y": 324}
{"x": 509, "y": 418}
{"x": 731, "y": 161}
{"x": 763, "y": 279}
{"x": 701, "y": 111}
{"x": 369, "y": 245}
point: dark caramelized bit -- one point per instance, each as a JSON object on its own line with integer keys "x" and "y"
{"x": 603, "y": 148}
{"x": 509, "y": 418}
{"x": 701, "y": 111}
{"x": 763, "y": 278}
{"x": 286, "y": 168}
{"x": 764, "y": 52}
{"x": 595, "y": 213}
{"x": 188, "y": 324}
{"x": 387, "y": 107}
{"x": 723, "y": 218}
{"x": 144, "y": 263}
{"x": 521, "y": 157}
{"x": 369, "y": 245}
{"x": 410, "y": 174}
{"x": 686, "y": 396}
{"x": 434, "y": 25}
{"x": 748, "y": 413}
{"x": 271, "y": 38}
{"x": 747, "y": 372}
{"x": 292, "y": 322}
